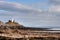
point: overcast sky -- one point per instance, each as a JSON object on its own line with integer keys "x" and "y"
{"x": 31, "y": 13}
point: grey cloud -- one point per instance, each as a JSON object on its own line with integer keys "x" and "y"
{"x": 54, "y": 6}
{"x": 42, "y": 19}
{"x": 55, "y": 2}
{"x": 27, "y": 15}
{"x": 9, "y": 6}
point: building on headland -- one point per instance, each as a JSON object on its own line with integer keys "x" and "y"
{"x": 12, "y": 23}
{"x": 14, "y": 30}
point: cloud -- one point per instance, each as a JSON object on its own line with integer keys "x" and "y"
{"x": 35, "y": 19}
{"x": 10, "y": 6}
{"x": 55, "y": 2}
{"x": 18, "y": 11}
{"x": 29, "y": 16}
{"x": 54, "y": 6}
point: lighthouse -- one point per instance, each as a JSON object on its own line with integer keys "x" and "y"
{"x": 12, "y": 20}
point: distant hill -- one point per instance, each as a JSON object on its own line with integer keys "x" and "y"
{"x": 12, "y": 30}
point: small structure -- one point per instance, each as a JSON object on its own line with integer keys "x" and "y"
{"x": 12, "y": 23}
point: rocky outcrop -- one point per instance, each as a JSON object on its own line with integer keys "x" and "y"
{"x": 12, "y": 30}
{"x": 10, "y": 23}
{"x": 2, "y": 23}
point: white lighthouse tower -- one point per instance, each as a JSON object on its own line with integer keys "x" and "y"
{"x": 12, "y": 20}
